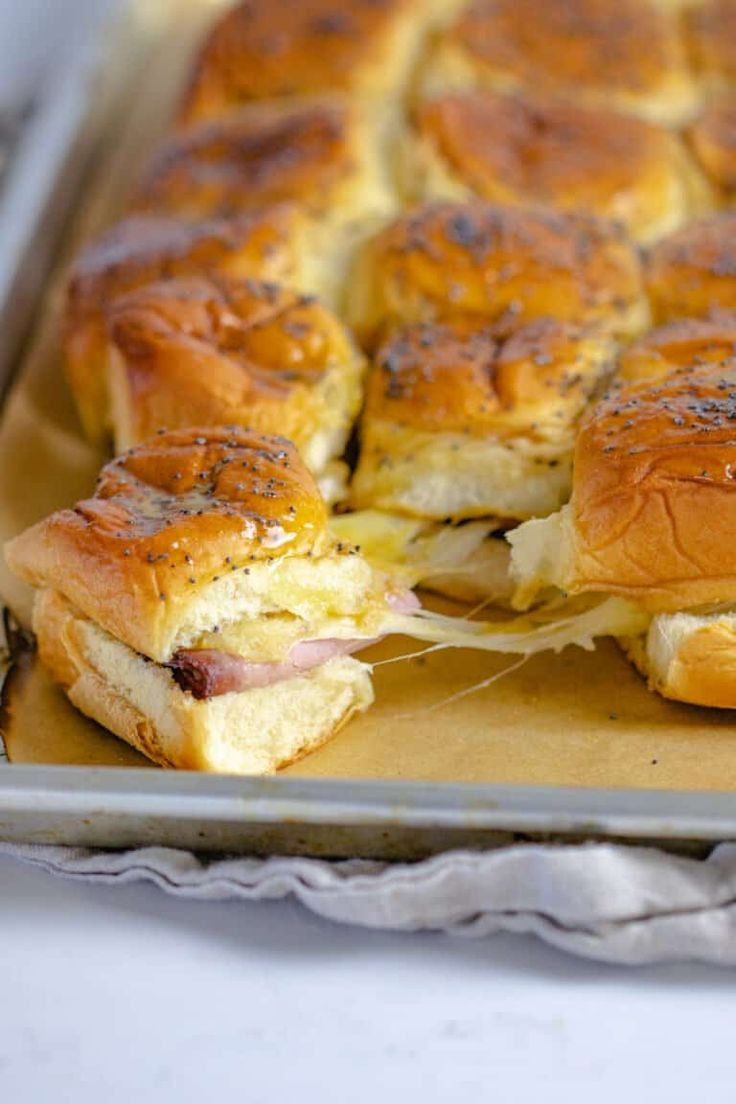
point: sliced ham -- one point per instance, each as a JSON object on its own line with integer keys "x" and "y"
{"x": 207, "y": 673}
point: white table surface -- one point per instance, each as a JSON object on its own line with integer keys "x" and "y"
{"x": 126, "y": 995}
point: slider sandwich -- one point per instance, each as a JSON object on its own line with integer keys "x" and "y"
{"x": 266, "y": 244}
{"x": 198, "y": 607}
{"x": 645, "y": 550}
{"x": 465, "y": 432}
{"x": 216, "y": 351}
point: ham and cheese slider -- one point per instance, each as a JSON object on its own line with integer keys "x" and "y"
{"x": 264, "y": 244}
{"x": 219, "y": 351}
{"x": 198, "y": 607}
{"x": 647, "y": 541}
{"x": 474, "y": 429}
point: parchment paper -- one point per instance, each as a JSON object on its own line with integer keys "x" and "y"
{"x": 579, "y": 718}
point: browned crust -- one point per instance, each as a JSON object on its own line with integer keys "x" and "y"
{"x": 259, "y": 50}
{"x": 553, "y": 152}
{"x": 144, "y": 248}
{"x": 264, "y": 153}
{"x": 451, "y": 378}
{"x": 684, "y": 343}
{"x": 609, "y": 46}
{"x": 219, "y": 351}
{"x": 654, "y": 496}
{"x": 460, "y": 261}
{"x": 693, "y": 271}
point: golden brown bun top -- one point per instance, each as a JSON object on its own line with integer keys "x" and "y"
{"x": 616, "y": 45}
{"x": 264, "y": 153}
{"x": 273, "y": 338}
{"x": 713, "y": 138}
{"x": 148, "y": 247}
{"x": 712, "y": 31}
{"x": 654, "y": 495}
{"x": 175, "y": 513}
{"x": 454, "y": 261}
{"x": 555, "y": 151}
{"x": 693, "y": 271}
{"x": 685, "y": 343}
{"x": 265, "y": 48}
{"x": 449, "y": 378}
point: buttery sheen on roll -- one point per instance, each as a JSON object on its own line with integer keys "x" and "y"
{"x": 199, "y": 608}
{"x": 219, "y": 351}
{"x": 261, "y": 49}
{"x": 651, "y": 523}
{"x": 485, "y": 262}
{"x": 553, "y": 153}
{"x": 626, "y": 54}
{"x": 693, "y": 271}
{"x": 264, "y": 244}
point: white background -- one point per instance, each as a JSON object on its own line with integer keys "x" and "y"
{"x": 123, "y": 994}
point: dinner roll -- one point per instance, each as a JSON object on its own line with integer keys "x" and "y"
{"x": 327, "y": 155}
{"x": 485, "y": 262}
{"x": 555, "y": 154}
{"x": 459, "y": 423}
{"x": 625, "y": 54}
{"x": 653, "y": 506}
{"x": 713, "y": 139}
{"x": 685, "y": 343}
{"x": 265, "y": 244}
{"x": 693, "y": 271}
{"x": 221, "y": 351}
{"x": 261, "y": 50}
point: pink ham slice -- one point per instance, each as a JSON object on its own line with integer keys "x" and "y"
{"x": 207, "y": 673}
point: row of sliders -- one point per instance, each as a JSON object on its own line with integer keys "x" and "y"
{"x": 400, "y": 213}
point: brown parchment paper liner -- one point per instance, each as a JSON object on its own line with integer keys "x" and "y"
{"x": 575, "y": 719}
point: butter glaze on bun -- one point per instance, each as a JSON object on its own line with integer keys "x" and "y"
{"x": 685, "y": 343}
{"x": 220, "y": 351}
{"x": 555, "y": 154}
{"x": 168, "y": 520}
{"x": 142, "y": 248}
{"x": 693, "y": 271}
{"x": 654, "y": 495}
{"x": 262, "y": 49}
{"x": 327, "y": 156}
{"x": 626, "y": 54}
{"x": 481, "y": 261}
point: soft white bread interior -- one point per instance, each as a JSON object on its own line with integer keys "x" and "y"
{"x": 689, "y": 657}
{"x": 248, "y": 732}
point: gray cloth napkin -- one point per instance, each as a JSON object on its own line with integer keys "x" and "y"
{"x": 618, "y": 904}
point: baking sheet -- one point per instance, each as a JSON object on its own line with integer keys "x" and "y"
{"x": 579, "y": 719}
